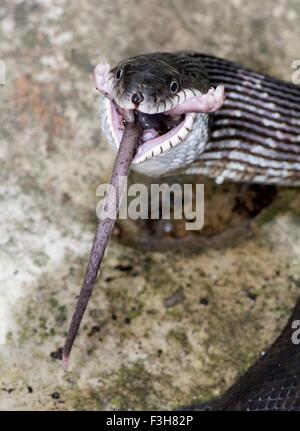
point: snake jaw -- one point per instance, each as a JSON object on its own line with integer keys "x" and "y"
{"x": 114, "y": 124}
{"x": 159, "y": 145}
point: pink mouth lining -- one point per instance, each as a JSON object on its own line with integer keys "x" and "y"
{"x": 118, "y": 126}
{"x": 209, "y": 102}
{"x": 146, "y": 146}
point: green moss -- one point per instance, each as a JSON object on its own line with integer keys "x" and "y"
{"x": 53, "y": 302}
{"x": 133, "y": 388}
{"x": 201, "y": 395}
{"x": 285, "y": 201}
{"x": 135, "y": 312}
{"x": 41, "y": 259}
{"x": 61, "y": 315}
{"x": 180, "y": 337}
{"x": 175, "y": 312}
{"x": 245, "y": 359}
{"x": 59, "y": 311}
{"x": 267, "y": 215}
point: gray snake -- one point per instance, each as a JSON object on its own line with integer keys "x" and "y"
{"x": 188, "y": 125}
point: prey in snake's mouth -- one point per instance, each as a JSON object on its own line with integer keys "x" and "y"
{"x": 164, "y": 102}
{"x": 160, "y": 131}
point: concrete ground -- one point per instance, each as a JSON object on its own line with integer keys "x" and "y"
{"x": 163, "y": 328}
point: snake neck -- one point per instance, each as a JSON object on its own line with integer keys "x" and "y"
{"x": 255, "y": 136}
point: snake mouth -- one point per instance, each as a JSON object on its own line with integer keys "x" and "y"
{"x": 161, "y": 132}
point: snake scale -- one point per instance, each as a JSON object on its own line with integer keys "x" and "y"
{"x": 192, "y": 113}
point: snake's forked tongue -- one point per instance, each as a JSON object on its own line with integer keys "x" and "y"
{"x": 127, "y": 150}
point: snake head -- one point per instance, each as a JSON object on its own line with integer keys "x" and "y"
{"x": 146, "y": 83}
{"x": 170, "y": 95}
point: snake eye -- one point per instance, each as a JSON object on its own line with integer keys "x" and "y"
{"x": 174, "y": 87}
{"x": 119, "y": 73}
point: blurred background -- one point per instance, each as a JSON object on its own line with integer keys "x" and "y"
{"x": 162, "y": 329}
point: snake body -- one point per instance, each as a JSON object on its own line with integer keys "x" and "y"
{"x": 255, "y": 136}
{"x": 250, "y": 133}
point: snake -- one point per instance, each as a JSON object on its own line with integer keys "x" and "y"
{"x": 192, "y": 113}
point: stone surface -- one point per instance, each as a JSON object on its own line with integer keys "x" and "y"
{"x": 133, "y": 352}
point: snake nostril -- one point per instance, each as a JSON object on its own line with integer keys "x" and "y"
{"x": 137, "y": 98}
